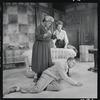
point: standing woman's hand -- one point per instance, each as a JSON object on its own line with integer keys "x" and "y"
{"x": 47, "y": 34}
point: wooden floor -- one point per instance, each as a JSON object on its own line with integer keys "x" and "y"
{"x": 17, "y": 76}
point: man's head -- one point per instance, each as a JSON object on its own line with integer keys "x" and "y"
{"x": 48, "y": 20}
{"x": 71, "y": 62}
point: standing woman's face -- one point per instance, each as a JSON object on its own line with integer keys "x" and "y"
{"x": 48, "y": 23}
{"x": 59, "y": 27}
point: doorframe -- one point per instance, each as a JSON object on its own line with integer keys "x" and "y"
{"x": 80, "y": 26}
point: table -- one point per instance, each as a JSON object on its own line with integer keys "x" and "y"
{"x": 94, "y": 51}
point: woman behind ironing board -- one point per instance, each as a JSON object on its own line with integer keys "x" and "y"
{"x": 61, "y": 39}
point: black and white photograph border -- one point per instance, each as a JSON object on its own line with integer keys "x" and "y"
{"x": 33, "y": 50}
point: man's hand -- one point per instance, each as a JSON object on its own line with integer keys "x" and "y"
{"x": 78, "y": 84}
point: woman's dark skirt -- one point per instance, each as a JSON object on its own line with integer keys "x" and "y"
{"x": 41, "y": 57}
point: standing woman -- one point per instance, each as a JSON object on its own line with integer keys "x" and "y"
{"x": 41, "y": 54}
{"x": 61, "y": 39}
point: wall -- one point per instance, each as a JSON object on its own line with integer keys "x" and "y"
{"x": 18, "y": 24}
{"x": 72, "y": 26}
{"x": 80, "y": 25}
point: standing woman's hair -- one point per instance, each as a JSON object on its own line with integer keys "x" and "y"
{"x": 48, "y": 18}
